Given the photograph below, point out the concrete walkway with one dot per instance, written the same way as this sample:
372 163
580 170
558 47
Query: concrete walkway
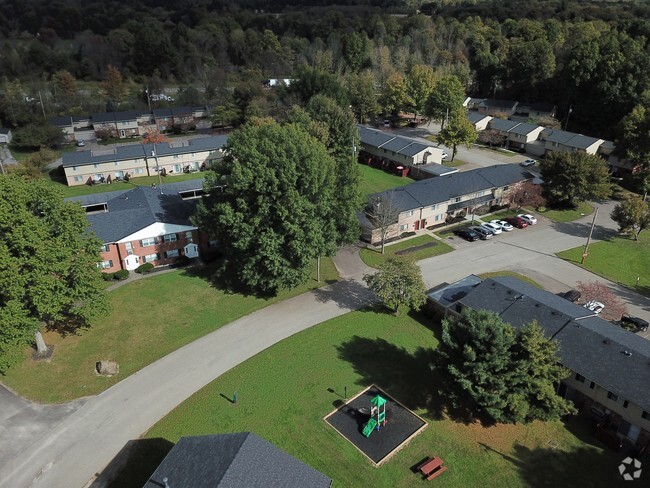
78 448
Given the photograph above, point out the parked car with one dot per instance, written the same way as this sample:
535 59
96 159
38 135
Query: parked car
505 226
467 234
635 324
386 123
494 228
594 306
81 143
445 155
571 295
528 218
483 233
517 222
528 162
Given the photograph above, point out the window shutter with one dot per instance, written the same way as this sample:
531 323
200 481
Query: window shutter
625 404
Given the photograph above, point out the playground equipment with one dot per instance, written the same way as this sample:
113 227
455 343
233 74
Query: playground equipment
377 415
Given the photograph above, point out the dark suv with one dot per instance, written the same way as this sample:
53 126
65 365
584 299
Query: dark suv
484 234
635 324
467 234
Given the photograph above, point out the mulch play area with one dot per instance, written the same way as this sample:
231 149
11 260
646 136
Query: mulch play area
399 427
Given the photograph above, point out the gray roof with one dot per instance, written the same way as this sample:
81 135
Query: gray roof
233 461
437 169
475 117
502 125
4 130
443 188
135 151
132 210
582 142
162 112
103 117
559 136
397 144
491 103
589 345
524 129
60 121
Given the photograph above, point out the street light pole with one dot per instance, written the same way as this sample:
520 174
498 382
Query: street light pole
153 153
566 122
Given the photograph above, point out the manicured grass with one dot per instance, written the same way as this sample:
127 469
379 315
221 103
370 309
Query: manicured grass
74 191
513 274
498 150
620 259
432 138
149 319
568 215
375 258
284 392
456 163
374 180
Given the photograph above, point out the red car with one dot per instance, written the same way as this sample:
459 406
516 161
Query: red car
517 222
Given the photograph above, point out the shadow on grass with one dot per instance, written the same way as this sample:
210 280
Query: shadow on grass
134 464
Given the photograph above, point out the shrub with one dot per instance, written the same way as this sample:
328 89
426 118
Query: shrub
122 274
144 268
108 276
181 261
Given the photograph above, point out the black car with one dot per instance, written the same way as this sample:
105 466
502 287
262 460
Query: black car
635 324
571 295
467 234
483 234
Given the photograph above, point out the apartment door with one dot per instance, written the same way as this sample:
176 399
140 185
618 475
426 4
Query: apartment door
191 250
131 262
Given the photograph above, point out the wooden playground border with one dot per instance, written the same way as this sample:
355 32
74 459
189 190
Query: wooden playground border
403 444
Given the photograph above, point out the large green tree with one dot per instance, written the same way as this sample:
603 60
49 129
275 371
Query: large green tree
632 216
362 96
570 178
420 82
48 265
34 136
489 366
460 131
633 143
398 283
271 206
394 96
446 99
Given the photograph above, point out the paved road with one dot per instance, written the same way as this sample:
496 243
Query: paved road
73 451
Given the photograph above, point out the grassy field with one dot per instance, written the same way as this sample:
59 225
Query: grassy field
485 276
375 258
456 163
149 319
620 259
284 392
566 215
374 180
20 155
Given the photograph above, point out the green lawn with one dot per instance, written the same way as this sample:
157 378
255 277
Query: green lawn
21 155
620 259
565 215
375 258
485 276
456 163
374 180
55 179
149 319
284 392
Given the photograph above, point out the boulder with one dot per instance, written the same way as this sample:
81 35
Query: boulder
107 368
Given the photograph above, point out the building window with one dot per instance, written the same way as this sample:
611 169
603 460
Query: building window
213 243
188 236
149 258
129 248
438 218
105 248
96 165
612 396
434 207
404 227
645 415
149 241
505 188
117 163
457 199
106 264
409 213
175 156
177 168
172 253
580 378
75 168
592 385
78 178
170 238
138 171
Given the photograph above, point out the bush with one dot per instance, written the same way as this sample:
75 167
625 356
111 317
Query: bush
122 274
108 276
144 268
181 261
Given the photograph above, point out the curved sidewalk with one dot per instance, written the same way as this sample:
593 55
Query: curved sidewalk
79 448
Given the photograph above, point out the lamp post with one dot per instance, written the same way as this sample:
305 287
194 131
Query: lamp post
566 122
153 153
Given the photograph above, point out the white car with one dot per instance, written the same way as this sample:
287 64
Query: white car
528 218
444 155
496 229
528 162
505 226
594 306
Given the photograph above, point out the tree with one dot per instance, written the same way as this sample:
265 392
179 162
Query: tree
37 135
546 121
14 109
492 137
395 97
153 136
599 292
310 82
632 216
525 194
48 265
114 86
398 283
570 178
459 131
270 204
510 374
634 143
33 165
383 211
447 98
65 83
420 83
362 96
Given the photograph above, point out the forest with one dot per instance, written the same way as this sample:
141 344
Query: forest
589 58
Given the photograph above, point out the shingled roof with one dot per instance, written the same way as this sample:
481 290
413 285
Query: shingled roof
233 461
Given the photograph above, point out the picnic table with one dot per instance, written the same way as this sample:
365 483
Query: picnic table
432 467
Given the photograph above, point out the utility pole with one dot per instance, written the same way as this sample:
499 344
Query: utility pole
42 106
153 153
591 231
566 121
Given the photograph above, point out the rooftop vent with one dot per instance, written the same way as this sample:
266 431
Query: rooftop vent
627 353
